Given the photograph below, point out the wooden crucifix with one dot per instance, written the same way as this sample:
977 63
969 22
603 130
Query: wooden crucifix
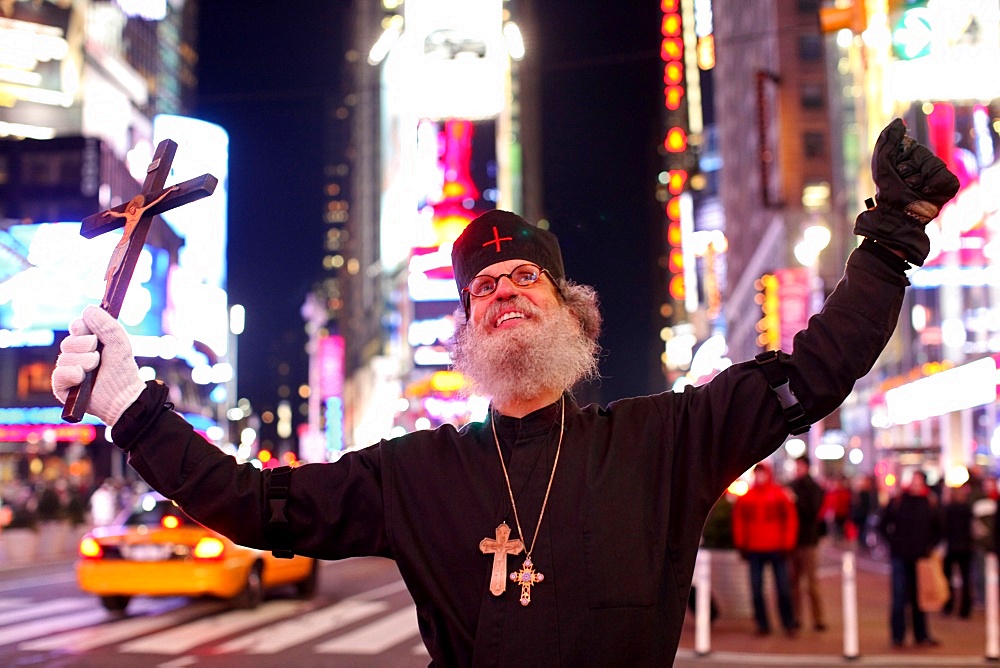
500 547
135 216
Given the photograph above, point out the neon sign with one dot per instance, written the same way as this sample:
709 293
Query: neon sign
31 433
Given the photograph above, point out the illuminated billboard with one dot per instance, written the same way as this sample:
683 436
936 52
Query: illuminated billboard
198 304
453 58
49 273
37 62
946 50
457 162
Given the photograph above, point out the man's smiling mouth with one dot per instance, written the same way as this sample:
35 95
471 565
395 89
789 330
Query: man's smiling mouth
509 315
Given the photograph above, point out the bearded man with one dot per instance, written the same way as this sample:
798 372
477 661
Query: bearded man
550 533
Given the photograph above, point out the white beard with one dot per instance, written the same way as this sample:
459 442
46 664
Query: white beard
541 354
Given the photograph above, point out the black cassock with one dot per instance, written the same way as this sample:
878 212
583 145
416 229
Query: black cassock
617 545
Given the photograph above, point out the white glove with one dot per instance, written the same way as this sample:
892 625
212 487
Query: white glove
117 385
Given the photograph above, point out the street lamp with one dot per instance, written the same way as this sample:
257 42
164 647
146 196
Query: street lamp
814 239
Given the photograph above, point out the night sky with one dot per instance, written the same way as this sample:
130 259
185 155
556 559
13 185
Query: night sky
266 77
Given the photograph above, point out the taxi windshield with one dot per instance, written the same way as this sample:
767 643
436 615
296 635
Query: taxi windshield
151 510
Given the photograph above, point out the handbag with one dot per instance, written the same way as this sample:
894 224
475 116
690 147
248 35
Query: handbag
933 590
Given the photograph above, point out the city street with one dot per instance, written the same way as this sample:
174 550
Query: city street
733 643
362 616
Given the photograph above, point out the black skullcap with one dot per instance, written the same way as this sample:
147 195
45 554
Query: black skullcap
499 235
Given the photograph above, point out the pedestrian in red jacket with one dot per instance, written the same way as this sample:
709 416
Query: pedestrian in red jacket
765 529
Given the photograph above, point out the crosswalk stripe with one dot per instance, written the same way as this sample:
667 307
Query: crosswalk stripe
82 640
43 627
304 628
14 602
38 580
44 608
183 638
383 591
376 637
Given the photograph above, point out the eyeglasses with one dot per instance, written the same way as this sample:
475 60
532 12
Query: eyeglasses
522 276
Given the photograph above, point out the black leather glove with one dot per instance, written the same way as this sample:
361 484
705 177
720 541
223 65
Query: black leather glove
911 186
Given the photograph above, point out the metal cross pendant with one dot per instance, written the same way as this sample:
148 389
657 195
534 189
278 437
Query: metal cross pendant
500 548
526 577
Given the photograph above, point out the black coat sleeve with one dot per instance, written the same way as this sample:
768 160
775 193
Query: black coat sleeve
736 420
334 510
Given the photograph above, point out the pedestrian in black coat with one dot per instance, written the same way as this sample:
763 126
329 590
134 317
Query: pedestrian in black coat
911 524
958 539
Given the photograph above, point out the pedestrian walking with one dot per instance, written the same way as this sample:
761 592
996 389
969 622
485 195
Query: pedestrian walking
765 528
804 561
911 524
864 508
958 551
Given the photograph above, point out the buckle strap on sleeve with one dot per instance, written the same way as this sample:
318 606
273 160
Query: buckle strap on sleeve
277 528
795 414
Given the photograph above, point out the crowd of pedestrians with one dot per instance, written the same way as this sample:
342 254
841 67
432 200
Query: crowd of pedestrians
781 522
43 518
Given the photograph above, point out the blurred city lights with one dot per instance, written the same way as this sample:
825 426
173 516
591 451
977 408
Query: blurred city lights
814 239
795 448
390 35
956 476
738 487
515 42
237 319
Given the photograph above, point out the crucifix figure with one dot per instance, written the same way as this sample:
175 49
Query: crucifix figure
500 547
132 215
135 216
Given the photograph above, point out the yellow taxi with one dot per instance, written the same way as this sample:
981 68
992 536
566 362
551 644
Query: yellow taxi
157 550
